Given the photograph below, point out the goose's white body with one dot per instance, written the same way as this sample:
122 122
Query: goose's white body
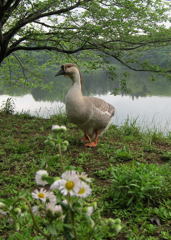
91 114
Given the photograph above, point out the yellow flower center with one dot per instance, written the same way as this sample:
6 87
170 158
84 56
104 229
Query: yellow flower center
81 191
41 195
69 185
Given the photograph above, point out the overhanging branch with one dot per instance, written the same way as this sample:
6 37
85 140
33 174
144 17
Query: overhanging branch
50 48
134 68
9 8
55 27
37 15
17 42
21 65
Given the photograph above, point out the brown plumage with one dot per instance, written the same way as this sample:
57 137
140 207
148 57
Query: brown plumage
91 114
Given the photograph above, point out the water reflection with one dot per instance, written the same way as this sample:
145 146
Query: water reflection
149 112
98 83
27 104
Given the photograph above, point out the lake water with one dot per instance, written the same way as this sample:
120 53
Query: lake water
149 103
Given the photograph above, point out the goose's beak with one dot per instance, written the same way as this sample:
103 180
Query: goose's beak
60 72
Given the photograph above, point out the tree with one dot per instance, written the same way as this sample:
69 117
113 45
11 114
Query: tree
112 27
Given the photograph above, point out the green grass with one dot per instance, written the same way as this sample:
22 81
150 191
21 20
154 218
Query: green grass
131 171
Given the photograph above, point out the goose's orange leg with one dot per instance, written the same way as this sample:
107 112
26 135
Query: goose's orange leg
94 143
86 138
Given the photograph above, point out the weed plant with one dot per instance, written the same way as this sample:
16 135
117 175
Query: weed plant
8 106
129 128
123 154
139 184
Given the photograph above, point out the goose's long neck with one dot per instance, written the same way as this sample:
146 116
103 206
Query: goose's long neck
76 78
74 97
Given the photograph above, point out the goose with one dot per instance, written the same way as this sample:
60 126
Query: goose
91 114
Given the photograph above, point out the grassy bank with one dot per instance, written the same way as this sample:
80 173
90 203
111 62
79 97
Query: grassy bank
130 171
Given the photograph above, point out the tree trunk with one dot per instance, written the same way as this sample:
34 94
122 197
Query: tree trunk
3 47
2 51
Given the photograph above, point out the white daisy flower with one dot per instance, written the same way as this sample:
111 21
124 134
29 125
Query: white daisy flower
70 174
70 183
84 190
41 194
58 128
55 209
89 211
35 210
65 202
55 127
63 128
83 176
70 186
3 212
51 197
57 184
2 205
39 175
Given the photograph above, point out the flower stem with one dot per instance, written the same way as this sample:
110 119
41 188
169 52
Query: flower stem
73 224
72 217
48 237
61 157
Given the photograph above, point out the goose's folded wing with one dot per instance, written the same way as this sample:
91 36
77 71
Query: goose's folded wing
103 106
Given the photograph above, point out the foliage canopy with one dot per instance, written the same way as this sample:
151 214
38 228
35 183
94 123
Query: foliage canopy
117 28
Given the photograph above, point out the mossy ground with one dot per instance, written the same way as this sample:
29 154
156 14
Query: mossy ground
23 151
